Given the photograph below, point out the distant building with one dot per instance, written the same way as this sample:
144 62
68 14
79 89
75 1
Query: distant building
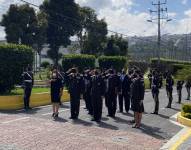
71 49
2 41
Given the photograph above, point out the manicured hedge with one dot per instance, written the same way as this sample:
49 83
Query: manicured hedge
79 61
143 66
186 111
45 64
169 65
116 62
13 59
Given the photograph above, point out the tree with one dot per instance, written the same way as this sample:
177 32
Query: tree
63 22
20 24
40 35
92 35
96 38
87 16
116 46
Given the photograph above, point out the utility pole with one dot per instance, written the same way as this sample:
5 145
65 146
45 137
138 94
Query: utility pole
159 15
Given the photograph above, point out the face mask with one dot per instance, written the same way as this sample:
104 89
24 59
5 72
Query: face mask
54 75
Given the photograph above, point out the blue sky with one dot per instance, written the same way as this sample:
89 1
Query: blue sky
129 16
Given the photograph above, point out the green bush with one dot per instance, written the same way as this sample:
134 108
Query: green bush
169 65
186 111
116 62
13 59
143 66
187 115
79 61
186 108
184 74
45 64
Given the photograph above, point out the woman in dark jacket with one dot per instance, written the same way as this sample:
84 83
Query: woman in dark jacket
137 95
56 91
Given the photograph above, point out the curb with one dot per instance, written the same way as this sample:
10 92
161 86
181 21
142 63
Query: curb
183 120
183 135
181 139
39 99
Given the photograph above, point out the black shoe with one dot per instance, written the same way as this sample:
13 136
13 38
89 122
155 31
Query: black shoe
98 121
93 119
132 121
113 116
56 115
168 106
120 111
155 113
71 118
53 114
29 108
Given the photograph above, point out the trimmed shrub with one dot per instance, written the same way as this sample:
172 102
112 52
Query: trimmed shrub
116 62
45 64
79 61
169 65
186 111
13 59
143 66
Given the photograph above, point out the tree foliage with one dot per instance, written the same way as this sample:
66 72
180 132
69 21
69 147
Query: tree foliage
116 46
63 22
20 24
92 35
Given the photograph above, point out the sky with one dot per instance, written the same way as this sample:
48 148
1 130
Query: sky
130 16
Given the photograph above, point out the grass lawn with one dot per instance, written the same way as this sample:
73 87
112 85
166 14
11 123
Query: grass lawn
19 91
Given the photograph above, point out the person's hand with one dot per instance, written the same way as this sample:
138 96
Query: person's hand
141 102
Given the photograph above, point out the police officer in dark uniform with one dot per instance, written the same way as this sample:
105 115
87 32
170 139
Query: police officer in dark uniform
169 89
28 82
155 91
87 91
105 77
124 94
150 78
188 85
97 93
112 93
179 90
137 95
76 88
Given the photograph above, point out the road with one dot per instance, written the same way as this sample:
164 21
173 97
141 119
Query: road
117 133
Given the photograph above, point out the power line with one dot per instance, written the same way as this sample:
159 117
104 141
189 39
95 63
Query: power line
75 20
159 15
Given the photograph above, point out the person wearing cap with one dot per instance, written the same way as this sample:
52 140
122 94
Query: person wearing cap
169 89
124 94
179 86
112 91
76 89
28 81
137 95
155 91
87 91
97 93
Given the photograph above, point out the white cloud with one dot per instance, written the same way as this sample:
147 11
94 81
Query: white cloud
119 17
184 2
188 13
172 14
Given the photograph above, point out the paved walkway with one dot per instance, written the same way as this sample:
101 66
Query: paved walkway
40 134
36 130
